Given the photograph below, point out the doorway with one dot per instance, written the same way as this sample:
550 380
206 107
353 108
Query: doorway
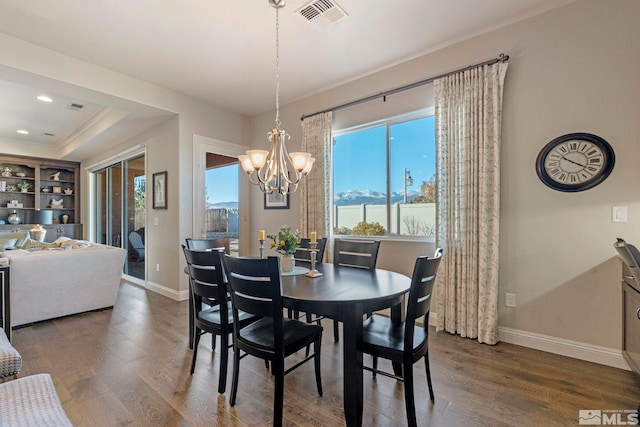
120 210
220 193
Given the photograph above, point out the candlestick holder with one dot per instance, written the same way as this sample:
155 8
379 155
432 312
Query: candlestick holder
313 248
262 248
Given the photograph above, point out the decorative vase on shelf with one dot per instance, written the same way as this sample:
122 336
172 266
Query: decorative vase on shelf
287 262
38 233
14 218
65 218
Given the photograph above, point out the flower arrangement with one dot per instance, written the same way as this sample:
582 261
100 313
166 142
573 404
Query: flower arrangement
286 241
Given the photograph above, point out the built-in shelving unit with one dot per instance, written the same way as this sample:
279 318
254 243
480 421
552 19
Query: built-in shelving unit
51 197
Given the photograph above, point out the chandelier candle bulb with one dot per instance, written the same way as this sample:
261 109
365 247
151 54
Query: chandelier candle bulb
314 237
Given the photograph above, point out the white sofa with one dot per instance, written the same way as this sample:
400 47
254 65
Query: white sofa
54 283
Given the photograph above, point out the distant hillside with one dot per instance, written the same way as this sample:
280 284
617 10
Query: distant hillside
222 205
370 197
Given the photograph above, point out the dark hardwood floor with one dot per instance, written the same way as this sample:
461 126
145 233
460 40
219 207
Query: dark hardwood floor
130 367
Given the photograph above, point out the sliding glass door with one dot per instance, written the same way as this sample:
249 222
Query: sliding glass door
120 211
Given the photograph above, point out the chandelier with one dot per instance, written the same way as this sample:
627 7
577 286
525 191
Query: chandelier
276 170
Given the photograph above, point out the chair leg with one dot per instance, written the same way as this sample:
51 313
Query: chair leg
316 362
236 374
409 399
375 365
196 341
224 360
278 395
336 332
213 342
426 364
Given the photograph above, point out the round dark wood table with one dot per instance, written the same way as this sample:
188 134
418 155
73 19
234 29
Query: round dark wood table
345 294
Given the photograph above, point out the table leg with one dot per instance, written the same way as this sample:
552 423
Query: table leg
352 365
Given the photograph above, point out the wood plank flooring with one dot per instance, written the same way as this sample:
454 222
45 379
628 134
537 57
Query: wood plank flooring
130 367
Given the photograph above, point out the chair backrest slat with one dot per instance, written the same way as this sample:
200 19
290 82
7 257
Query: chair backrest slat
356 253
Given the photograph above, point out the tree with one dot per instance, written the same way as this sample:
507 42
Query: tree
429 190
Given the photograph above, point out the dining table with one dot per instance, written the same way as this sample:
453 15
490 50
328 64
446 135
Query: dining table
346 294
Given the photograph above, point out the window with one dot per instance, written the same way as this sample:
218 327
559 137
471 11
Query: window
384 178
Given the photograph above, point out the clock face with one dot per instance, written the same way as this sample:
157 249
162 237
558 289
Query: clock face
575 162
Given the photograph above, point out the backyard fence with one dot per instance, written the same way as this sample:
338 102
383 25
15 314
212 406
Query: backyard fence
417 219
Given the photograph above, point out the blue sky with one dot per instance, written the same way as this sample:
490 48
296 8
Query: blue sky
360 162
360 157
222 184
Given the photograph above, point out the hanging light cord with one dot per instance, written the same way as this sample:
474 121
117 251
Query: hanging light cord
277 68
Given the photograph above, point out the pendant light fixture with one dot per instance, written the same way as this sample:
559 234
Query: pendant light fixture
276 170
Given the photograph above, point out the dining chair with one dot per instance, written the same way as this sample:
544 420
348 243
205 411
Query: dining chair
354 254
255 288
303 255
405 343
208 244
207 282
213 243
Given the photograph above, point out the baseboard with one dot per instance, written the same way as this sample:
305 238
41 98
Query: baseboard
167 292
578 350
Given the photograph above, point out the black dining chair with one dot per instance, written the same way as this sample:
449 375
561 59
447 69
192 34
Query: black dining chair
405 343
303 253
255 288
207 244
303 256
208 283
213 243
354 254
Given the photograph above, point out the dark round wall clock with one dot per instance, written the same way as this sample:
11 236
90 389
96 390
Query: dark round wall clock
575 162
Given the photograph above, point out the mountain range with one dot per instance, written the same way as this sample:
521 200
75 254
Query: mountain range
346 198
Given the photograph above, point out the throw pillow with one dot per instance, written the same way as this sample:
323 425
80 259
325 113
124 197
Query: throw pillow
20 236
7 243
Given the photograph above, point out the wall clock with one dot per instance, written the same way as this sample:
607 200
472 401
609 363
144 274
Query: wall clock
575 162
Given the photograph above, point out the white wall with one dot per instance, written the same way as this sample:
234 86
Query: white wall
574 69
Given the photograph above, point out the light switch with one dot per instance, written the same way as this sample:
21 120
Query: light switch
619 214
156 221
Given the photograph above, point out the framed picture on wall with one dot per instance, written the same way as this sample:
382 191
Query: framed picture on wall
160 190
276 201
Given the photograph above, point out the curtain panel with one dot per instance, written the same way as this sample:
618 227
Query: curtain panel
468 135
315 189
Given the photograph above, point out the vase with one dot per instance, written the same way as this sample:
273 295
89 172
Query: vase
38 233
14 218
287 262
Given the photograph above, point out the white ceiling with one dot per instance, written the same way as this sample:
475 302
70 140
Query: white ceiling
223 52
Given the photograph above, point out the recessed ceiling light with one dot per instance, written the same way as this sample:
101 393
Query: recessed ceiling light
45 98
23 132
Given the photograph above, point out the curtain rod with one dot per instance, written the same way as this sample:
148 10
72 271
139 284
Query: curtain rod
501 58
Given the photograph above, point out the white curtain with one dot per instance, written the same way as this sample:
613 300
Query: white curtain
468 123
315 189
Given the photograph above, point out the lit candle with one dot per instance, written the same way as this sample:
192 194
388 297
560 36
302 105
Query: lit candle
261 234
313 237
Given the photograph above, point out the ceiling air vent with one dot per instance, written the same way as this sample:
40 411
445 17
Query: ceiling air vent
322 13
74 106
47 134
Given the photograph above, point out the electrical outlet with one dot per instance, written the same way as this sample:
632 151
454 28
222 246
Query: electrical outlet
509 299
157 267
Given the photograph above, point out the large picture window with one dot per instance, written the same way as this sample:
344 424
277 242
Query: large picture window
384 178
